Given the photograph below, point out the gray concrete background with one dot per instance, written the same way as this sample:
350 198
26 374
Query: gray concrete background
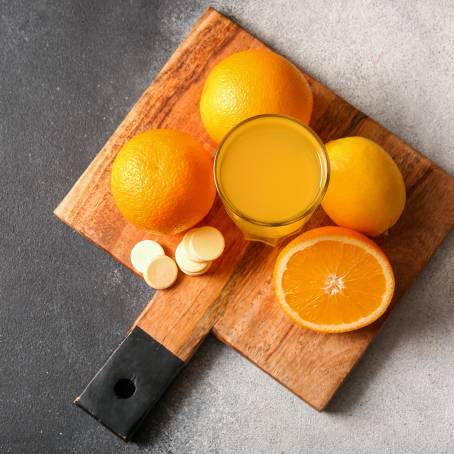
69 72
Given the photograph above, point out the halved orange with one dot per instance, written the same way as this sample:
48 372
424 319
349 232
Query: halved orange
333 280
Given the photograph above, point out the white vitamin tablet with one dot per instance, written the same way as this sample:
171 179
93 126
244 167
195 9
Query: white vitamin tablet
185 243
161 272
206 243
143 252
186 264
199 273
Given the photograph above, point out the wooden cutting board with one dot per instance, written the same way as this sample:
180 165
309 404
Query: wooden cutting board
235 299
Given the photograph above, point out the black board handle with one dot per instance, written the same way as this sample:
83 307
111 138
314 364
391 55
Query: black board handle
130 383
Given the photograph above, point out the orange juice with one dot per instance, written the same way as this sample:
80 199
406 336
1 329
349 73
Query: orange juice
271 173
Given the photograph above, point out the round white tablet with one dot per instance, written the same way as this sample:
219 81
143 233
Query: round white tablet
161 272
199 273
206 243
143 252
185 243
186 264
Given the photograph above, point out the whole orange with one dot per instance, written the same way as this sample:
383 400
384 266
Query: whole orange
366 190
162 181
249 83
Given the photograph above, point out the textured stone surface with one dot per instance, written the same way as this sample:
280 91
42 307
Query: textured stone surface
69 72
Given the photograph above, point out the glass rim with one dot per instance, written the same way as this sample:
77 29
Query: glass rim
324 180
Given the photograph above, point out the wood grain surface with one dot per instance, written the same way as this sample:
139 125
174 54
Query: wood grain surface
235 299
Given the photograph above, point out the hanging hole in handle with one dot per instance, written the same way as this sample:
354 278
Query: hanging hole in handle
124 388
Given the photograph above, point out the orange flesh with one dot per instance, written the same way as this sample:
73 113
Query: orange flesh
331 283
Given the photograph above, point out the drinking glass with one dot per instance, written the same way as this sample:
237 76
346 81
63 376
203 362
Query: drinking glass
274 231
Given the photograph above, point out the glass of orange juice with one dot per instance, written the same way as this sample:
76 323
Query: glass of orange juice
271 173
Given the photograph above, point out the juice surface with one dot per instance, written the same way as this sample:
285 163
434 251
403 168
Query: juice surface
270 169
